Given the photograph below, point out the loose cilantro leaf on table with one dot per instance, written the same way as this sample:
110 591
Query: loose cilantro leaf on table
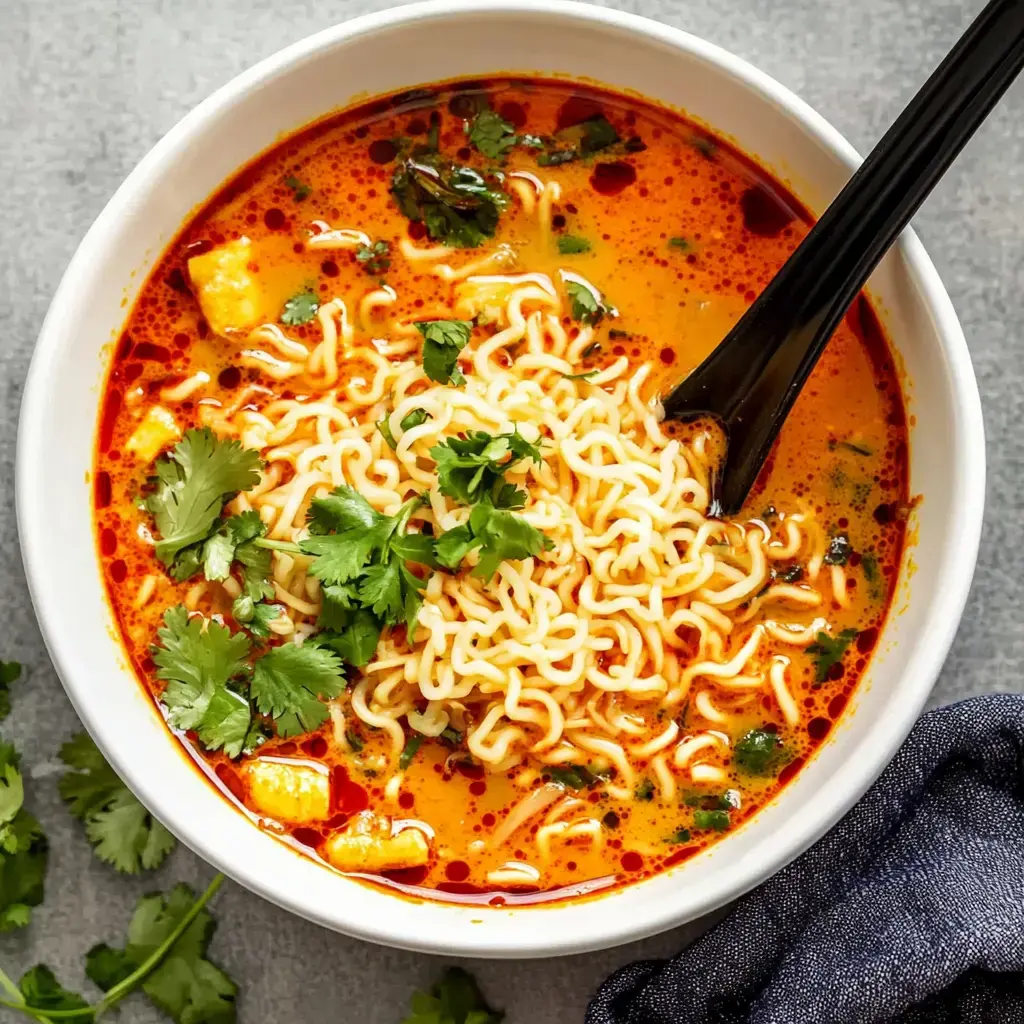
828 651
291 682
572 245
23 848
454 999
10 672
191 485
458 205
198 664
122 832
43 991
300 309
760 752
443 340
376 258
585 306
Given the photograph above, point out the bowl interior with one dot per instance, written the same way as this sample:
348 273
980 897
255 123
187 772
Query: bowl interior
384 53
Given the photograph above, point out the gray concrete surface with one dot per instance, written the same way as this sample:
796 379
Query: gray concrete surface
87 86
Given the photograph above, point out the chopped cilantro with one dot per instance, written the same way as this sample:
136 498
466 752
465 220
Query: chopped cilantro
645 790
376 258
192 483
10 672
451 736
857 447
717 821
198 664
122 832
383 426
491 134
571 245
595 346
454 999
412 745
572 776
586 307
839 550
681 835
828 651
458 205
578 141
415 419
585 375
355 741
760 752
704 146
23 848
682 244
300 190
443 340
300 309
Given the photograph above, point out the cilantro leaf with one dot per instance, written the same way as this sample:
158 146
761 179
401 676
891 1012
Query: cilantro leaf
300 309
42 991
376 258
760 752
290 683
503 536
185 985
682 244
409 751
469 468
122 832
192 483
197 665
578 141
458 205
443 340
587 308
839 550
454 999
256 617
717 821
106 967
585 375
491 134
415 418
572 776
571 245
828 652
644 790
23 848
10 671
355 636
681 835
383 425
300 190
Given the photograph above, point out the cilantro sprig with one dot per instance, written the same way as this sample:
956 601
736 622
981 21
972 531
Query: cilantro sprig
454 999
122 832
23 847
165 956
191 485
443 340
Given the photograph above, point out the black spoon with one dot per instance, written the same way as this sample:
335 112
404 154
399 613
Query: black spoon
749 383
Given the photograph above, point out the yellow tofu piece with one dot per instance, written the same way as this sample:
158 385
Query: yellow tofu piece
353 851
227 291
157 430
288 792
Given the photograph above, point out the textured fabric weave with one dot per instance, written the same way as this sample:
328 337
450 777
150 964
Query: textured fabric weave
910 910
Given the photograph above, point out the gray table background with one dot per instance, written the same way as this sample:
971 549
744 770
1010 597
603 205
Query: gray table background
87 86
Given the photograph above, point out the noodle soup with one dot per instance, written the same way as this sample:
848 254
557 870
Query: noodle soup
394 532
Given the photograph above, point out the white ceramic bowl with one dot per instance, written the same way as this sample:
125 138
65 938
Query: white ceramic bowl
379 54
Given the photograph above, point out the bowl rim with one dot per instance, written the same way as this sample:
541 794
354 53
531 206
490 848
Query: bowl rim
614 928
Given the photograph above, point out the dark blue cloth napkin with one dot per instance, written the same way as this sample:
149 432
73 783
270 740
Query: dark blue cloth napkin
910 910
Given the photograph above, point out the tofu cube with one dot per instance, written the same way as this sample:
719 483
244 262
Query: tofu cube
226 289
288 792
355 851
156 431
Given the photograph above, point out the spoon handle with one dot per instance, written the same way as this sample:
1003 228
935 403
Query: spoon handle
752 379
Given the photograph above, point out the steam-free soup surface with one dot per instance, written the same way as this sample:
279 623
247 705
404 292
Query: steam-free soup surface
554 672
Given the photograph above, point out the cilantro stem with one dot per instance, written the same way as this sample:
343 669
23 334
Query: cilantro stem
123 988
278 545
